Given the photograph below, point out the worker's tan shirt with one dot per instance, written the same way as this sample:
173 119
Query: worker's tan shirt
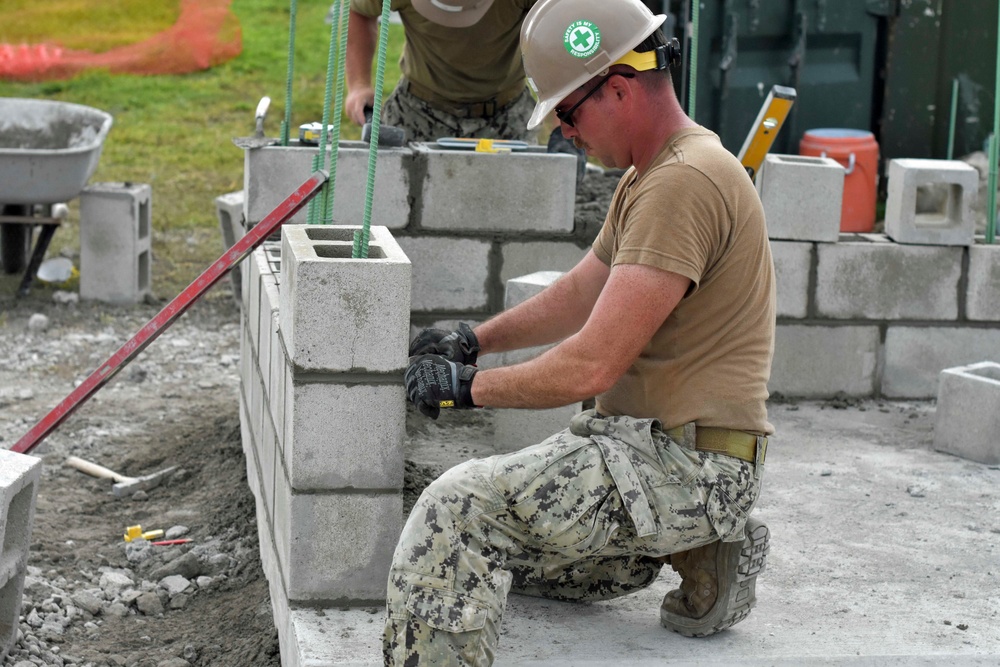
696 213
460 65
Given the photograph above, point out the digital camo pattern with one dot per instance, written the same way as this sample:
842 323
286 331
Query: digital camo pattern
423 122
587 514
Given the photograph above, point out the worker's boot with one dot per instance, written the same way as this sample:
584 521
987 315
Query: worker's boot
717 583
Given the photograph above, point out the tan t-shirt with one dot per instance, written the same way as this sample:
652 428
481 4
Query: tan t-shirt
696 213
461 65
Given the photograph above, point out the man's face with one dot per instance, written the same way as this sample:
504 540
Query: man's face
585 117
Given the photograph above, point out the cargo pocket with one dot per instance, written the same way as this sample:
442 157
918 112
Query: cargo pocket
444 610
575 530
725 515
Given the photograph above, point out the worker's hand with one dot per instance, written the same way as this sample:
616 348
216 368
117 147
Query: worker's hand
357 100
433 382
460 345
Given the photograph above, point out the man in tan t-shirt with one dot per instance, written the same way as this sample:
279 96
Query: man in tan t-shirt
461 68
668 321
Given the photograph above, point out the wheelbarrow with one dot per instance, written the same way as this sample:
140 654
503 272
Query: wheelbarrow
48 152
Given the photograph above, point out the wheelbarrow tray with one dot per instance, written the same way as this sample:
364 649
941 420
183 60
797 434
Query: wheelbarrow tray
48 150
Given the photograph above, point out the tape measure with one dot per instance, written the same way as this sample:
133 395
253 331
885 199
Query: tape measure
311 133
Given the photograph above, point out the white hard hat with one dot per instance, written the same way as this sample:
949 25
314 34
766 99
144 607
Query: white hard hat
565 43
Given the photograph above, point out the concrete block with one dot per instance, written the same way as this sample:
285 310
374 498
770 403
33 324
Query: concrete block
276 380
448 273
341 546
257 266
229 211
333 308
268 461
520 191
792 265
915 356
886 281
967 419
802 197
523 258
268 291
115 250
931 202
983 285
820 361
19 478
517 429
345 436
272 173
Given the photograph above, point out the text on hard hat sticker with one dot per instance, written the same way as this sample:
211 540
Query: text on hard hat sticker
582 38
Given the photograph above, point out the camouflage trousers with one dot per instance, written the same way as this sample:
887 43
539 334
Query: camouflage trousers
587 514
424 122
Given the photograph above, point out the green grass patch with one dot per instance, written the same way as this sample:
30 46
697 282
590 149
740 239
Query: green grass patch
175 132
85 24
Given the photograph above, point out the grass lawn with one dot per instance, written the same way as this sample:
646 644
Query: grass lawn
175 132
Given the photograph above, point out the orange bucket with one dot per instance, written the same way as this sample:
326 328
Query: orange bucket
857 152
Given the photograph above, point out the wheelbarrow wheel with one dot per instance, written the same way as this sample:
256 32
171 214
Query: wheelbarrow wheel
15 241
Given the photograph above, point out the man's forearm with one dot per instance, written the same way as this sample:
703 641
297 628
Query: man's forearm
360 50
556 313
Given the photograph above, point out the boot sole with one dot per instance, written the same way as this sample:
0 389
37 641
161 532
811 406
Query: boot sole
736 597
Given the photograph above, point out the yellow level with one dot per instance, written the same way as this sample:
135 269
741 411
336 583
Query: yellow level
765 129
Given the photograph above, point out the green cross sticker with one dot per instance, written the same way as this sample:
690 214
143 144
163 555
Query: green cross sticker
582 38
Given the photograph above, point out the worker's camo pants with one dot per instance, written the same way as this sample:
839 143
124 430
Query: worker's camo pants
582 516
423 122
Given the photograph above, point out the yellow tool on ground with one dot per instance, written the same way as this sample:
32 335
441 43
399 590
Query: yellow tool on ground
135 532
765 129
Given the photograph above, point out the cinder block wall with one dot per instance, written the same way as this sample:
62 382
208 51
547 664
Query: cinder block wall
867 316
468 221
323 409
19 477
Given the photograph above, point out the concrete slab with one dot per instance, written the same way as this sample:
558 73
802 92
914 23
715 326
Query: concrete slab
884 552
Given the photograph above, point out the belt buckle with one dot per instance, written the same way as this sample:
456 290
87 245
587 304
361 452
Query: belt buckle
760 454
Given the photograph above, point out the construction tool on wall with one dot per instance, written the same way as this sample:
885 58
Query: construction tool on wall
123 484
389 135
765 128
258 140
149 332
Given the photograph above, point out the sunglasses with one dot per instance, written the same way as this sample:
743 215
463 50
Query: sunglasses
566 117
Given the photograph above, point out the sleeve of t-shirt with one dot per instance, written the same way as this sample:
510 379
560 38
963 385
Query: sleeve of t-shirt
373 8
674 221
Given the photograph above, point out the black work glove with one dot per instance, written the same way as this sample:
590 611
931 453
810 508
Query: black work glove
459 345
433 382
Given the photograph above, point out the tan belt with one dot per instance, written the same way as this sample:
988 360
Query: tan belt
485 109
740 444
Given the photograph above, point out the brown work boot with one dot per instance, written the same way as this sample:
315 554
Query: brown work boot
718 583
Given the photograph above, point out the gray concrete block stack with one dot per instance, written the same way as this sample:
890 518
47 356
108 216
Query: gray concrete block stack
115 242
322 416
19 478
880 314
967 420
515 429
468 221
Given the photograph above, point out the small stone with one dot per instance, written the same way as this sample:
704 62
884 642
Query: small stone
916 490
87 601
38 322
116 609
140 496
175 584
62 296
825 473
149 604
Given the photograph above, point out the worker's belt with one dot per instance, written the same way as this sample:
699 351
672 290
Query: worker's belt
485 109
740 444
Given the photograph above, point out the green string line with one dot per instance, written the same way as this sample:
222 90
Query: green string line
360 250
693 68
288 78
338 105
316 212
